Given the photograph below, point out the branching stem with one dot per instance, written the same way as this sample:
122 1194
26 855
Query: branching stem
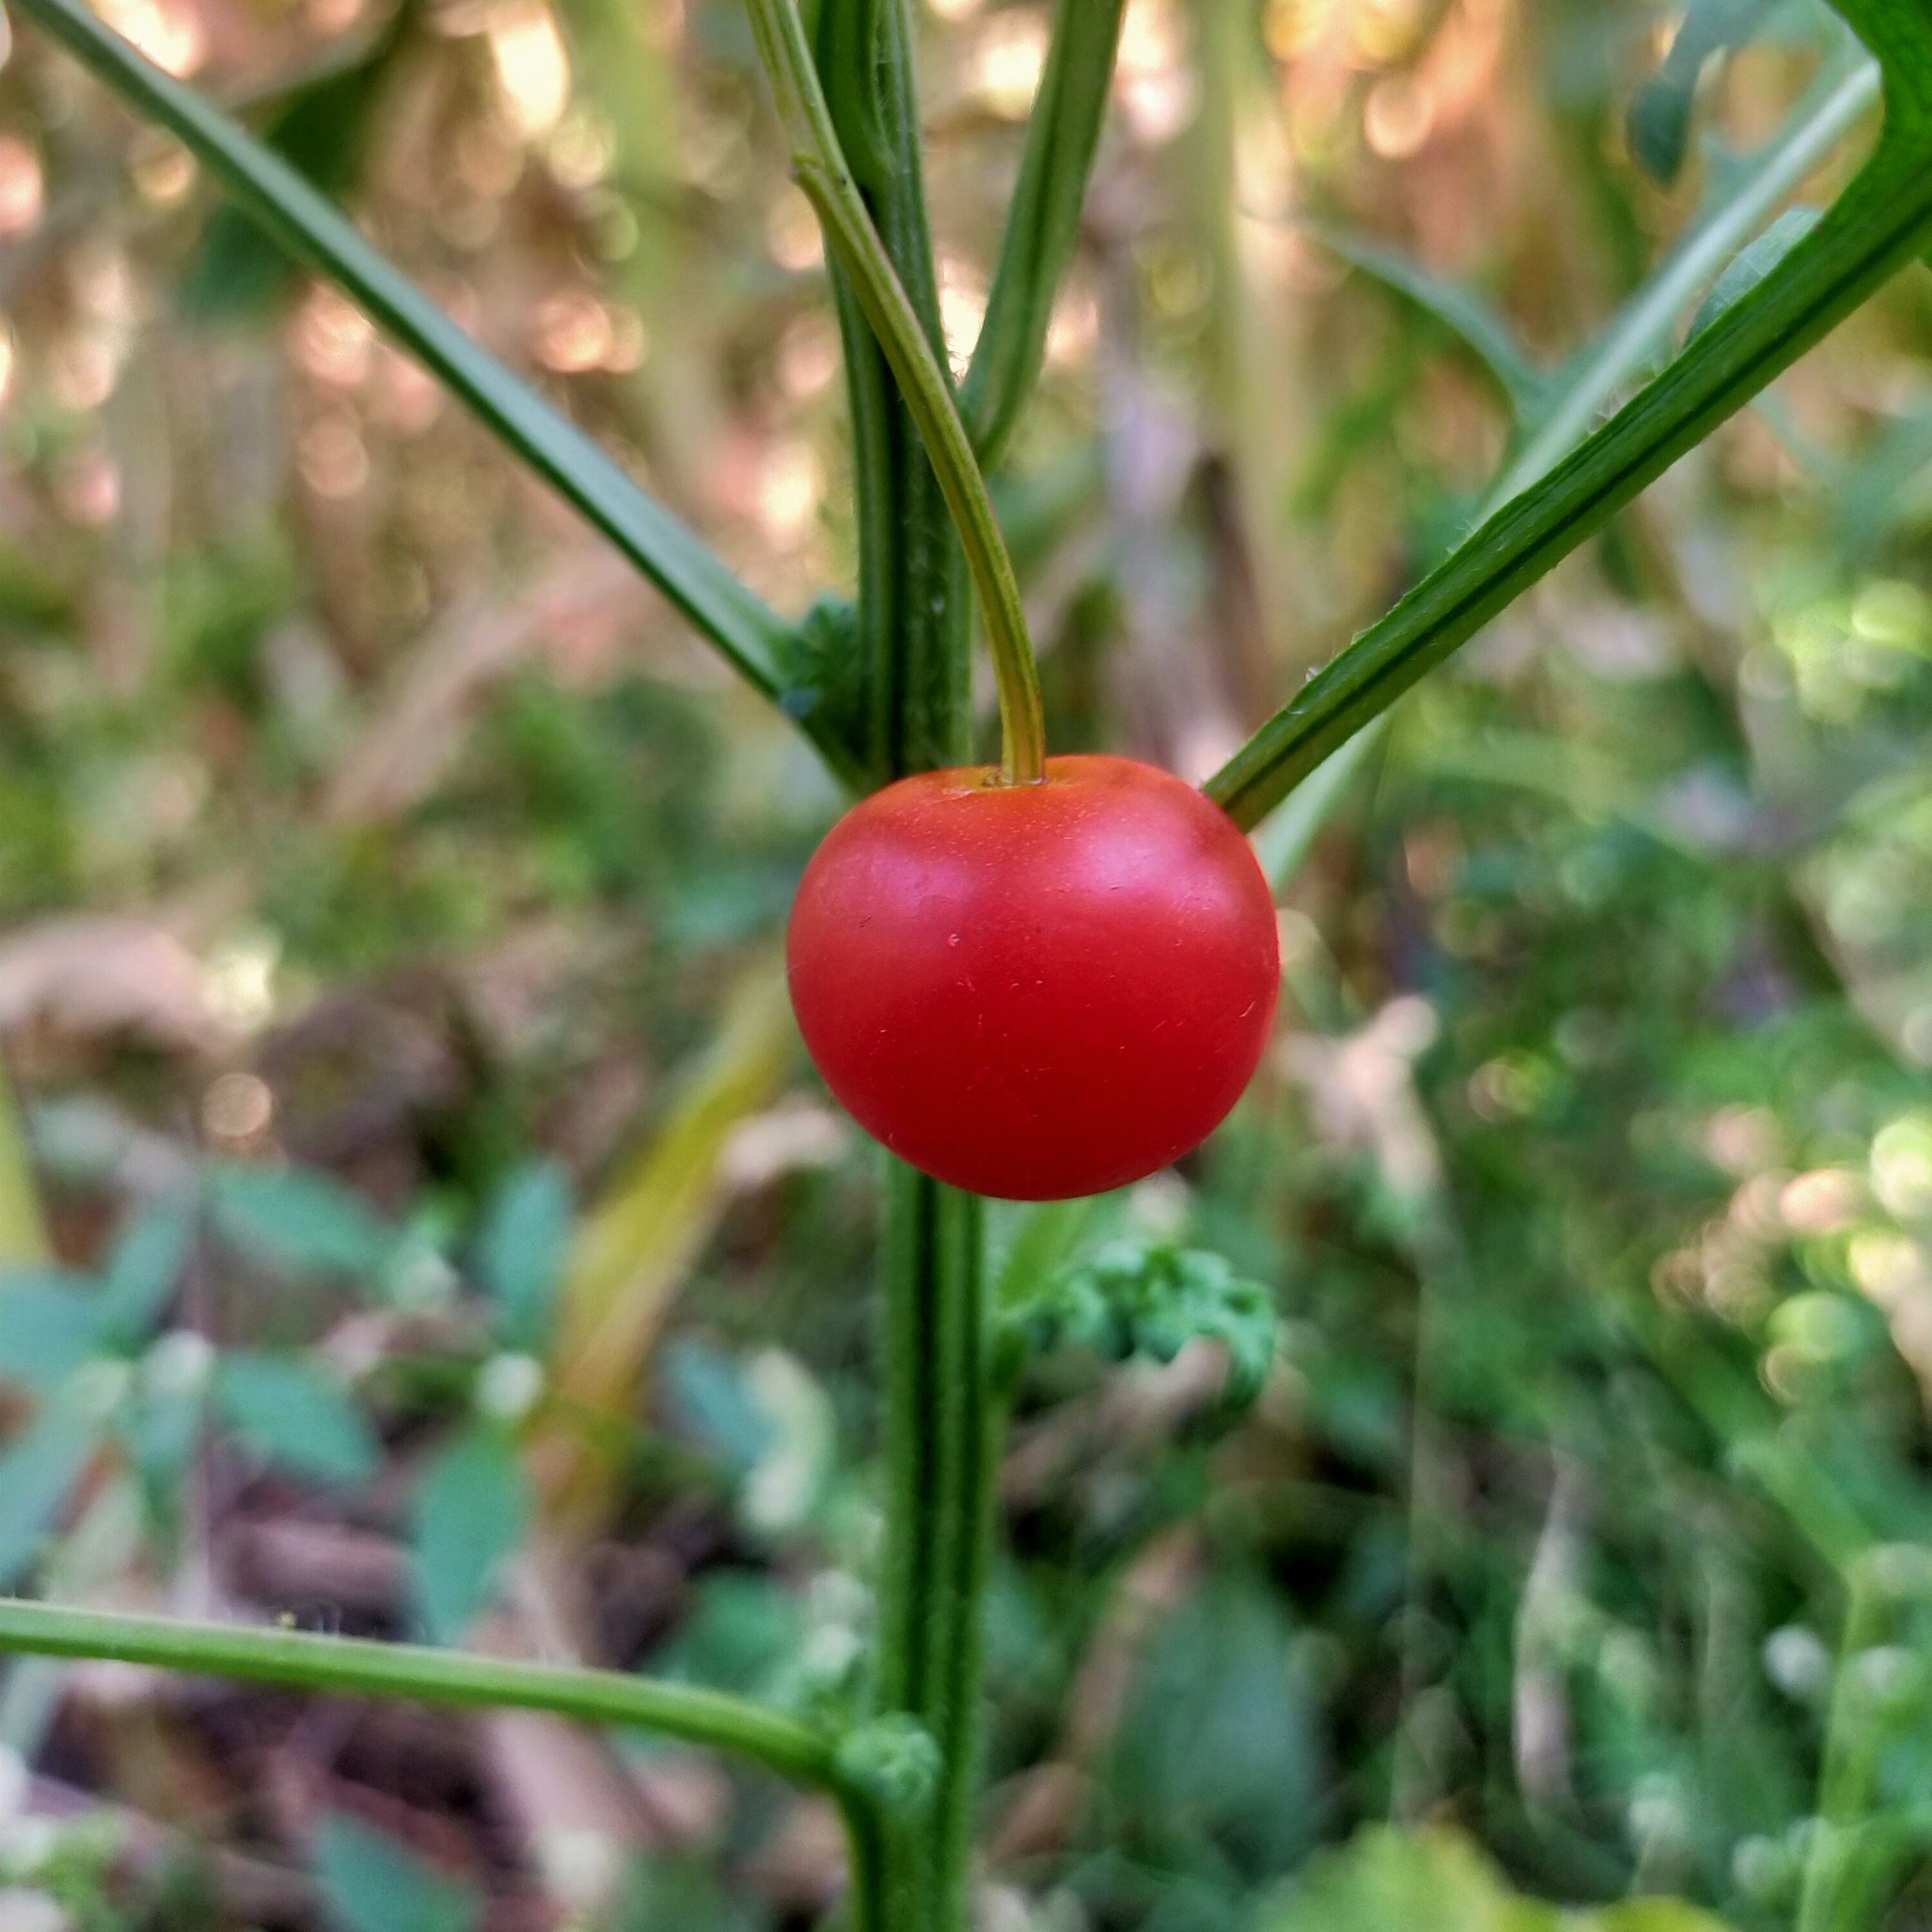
351 1667
818 163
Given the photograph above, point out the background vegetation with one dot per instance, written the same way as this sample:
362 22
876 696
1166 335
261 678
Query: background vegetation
452 1243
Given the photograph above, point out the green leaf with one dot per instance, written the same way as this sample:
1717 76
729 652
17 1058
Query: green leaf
372 1883
1220 1745
742 1633
1043 225
162 1429
1150 1298
38 1470
295 1417
709 1394
471 1511
1435 1876
1660 117
749 632
1465 315
1751 267
51 1322
522 1248
144 1269
1029 1244
297 1219
1880 223
825 686
1640 339
318 128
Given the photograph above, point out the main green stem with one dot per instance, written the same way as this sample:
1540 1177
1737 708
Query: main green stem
940 1450
941 1458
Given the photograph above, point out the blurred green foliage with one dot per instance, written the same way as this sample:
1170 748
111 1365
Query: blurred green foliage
357 837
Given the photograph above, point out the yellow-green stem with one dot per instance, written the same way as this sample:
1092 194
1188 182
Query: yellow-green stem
818 163
22 1228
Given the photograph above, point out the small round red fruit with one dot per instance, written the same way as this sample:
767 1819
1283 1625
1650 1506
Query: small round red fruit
1036 991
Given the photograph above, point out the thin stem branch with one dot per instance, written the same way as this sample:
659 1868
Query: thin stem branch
912 672
818 163
1841 1795
351 1667
1043 225
355 1667
749 633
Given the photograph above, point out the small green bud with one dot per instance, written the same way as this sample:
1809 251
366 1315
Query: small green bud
894 1761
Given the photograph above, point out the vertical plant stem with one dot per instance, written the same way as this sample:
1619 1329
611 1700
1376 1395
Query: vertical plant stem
1844 1778
22 1229
914 615
941 1454
1043 227
866 1906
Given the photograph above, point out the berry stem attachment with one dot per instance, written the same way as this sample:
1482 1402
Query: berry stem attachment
818 164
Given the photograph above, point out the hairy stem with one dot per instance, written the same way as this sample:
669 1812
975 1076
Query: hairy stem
941 1456
354 1667
350 1667
873 281
940 1453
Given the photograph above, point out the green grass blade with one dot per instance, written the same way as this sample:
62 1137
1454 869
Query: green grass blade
1882 222
1465 315
750 634
1640 334
1043 226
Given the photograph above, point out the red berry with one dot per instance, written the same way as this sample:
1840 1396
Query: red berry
1037 991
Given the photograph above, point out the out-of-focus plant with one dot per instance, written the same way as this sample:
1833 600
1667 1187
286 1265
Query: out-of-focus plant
880 689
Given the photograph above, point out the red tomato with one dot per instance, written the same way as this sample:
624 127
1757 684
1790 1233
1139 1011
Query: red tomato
1040 991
